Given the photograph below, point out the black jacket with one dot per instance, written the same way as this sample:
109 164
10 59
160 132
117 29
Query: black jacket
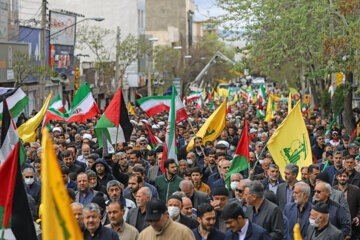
189 222
102 233
214 234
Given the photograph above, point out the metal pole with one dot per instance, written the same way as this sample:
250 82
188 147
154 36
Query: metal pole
149 71
118 82
43 52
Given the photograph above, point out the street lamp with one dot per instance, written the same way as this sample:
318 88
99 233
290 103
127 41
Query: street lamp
151 65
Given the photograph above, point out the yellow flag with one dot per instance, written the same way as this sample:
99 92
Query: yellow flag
297 233
215 95
289 103
213 127
58 221
28 130
130 109
223 92
290 142
269 111
236 99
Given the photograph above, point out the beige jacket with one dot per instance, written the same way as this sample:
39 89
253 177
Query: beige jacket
171 231
126 231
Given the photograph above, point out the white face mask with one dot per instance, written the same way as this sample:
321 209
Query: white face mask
189 161
233 185
29 181
313 222
173 211
261 161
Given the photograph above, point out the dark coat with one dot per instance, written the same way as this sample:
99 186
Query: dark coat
102 233
214 234
266 182
35 191
353 199
258 170
132 216
273 223
339 217
108 176
199 197
330 233
281 195
74 169
317 152
254 232
354 179
153 172
72 185
291 212
212 178
189 222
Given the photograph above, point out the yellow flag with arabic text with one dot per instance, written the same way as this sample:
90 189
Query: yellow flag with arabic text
27 131
213 126
58 221
290 142
130 109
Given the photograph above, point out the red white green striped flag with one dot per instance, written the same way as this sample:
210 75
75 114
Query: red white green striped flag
240 161
83 107
200 103
194 96
57 104
243 93
261 95
155 104
114 124
170 138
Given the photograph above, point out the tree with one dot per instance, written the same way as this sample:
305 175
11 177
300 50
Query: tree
22 67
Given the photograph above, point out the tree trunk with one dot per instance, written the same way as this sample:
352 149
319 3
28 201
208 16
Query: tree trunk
347 113
314 93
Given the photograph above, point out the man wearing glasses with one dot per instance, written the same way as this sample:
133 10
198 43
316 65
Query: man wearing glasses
318 148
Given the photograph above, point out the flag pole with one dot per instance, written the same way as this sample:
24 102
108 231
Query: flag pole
202 150
257 159
115 147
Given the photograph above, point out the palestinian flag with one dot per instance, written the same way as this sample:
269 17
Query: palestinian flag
16 100
83 107
260 113
241 159
9 135
115 123
154 142
194 96
155 104
170 150
200 104
14 209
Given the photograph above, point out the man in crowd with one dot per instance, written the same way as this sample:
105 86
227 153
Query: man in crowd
259 208
162 227
206 218
116 213
199 185
273 180
284 193
136 216
196 197
68 182
85 194
77 209
93 227
32 187
220 199
299 210
174 205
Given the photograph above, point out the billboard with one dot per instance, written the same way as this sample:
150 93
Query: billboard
33 37
62 59
62 29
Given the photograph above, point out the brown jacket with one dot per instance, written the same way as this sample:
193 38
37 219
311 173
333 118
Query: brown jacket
353 199
171 231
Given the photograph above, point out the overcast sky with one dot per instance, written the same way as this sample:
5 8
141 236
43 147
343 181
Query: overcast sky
206 9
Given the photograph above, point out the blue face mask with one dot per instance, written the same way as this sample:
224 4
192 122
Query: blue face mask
327 141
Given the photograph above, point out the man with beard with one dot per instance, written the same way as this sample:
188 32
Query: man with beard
143 143
285 190
196 197
239 193
220 199
85 152
93 227
133 185
94 183
224 168
174 205
68 160
85 194
209 164
240 227
333 169
168 183
206 218
198 151
116 213
352 194
299 210
103 171
272 182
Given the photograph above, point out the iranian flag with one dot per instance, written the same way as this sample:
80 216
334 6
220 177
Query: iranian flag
16 100
155 104
57 104
170 138
83 107
114 124
243 93
261 96
241 159
194 96
251 96
200 103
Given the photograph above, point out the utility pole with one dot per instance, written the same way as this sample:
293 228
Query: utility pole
43 51
118 81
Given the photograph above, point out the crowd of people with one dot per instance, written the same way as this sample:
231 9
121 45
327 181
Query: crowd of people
125 195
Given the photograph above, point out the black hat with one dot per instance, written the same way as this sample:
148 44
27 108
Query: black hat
154 209
324 177
99 200
220 146
321 207
220 190
175 197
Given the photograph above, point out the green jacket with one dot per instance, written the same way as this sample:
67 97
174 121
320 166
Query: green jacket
167 187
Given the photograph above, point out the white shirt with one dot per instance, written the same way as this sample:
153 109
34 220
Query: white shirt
244 229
